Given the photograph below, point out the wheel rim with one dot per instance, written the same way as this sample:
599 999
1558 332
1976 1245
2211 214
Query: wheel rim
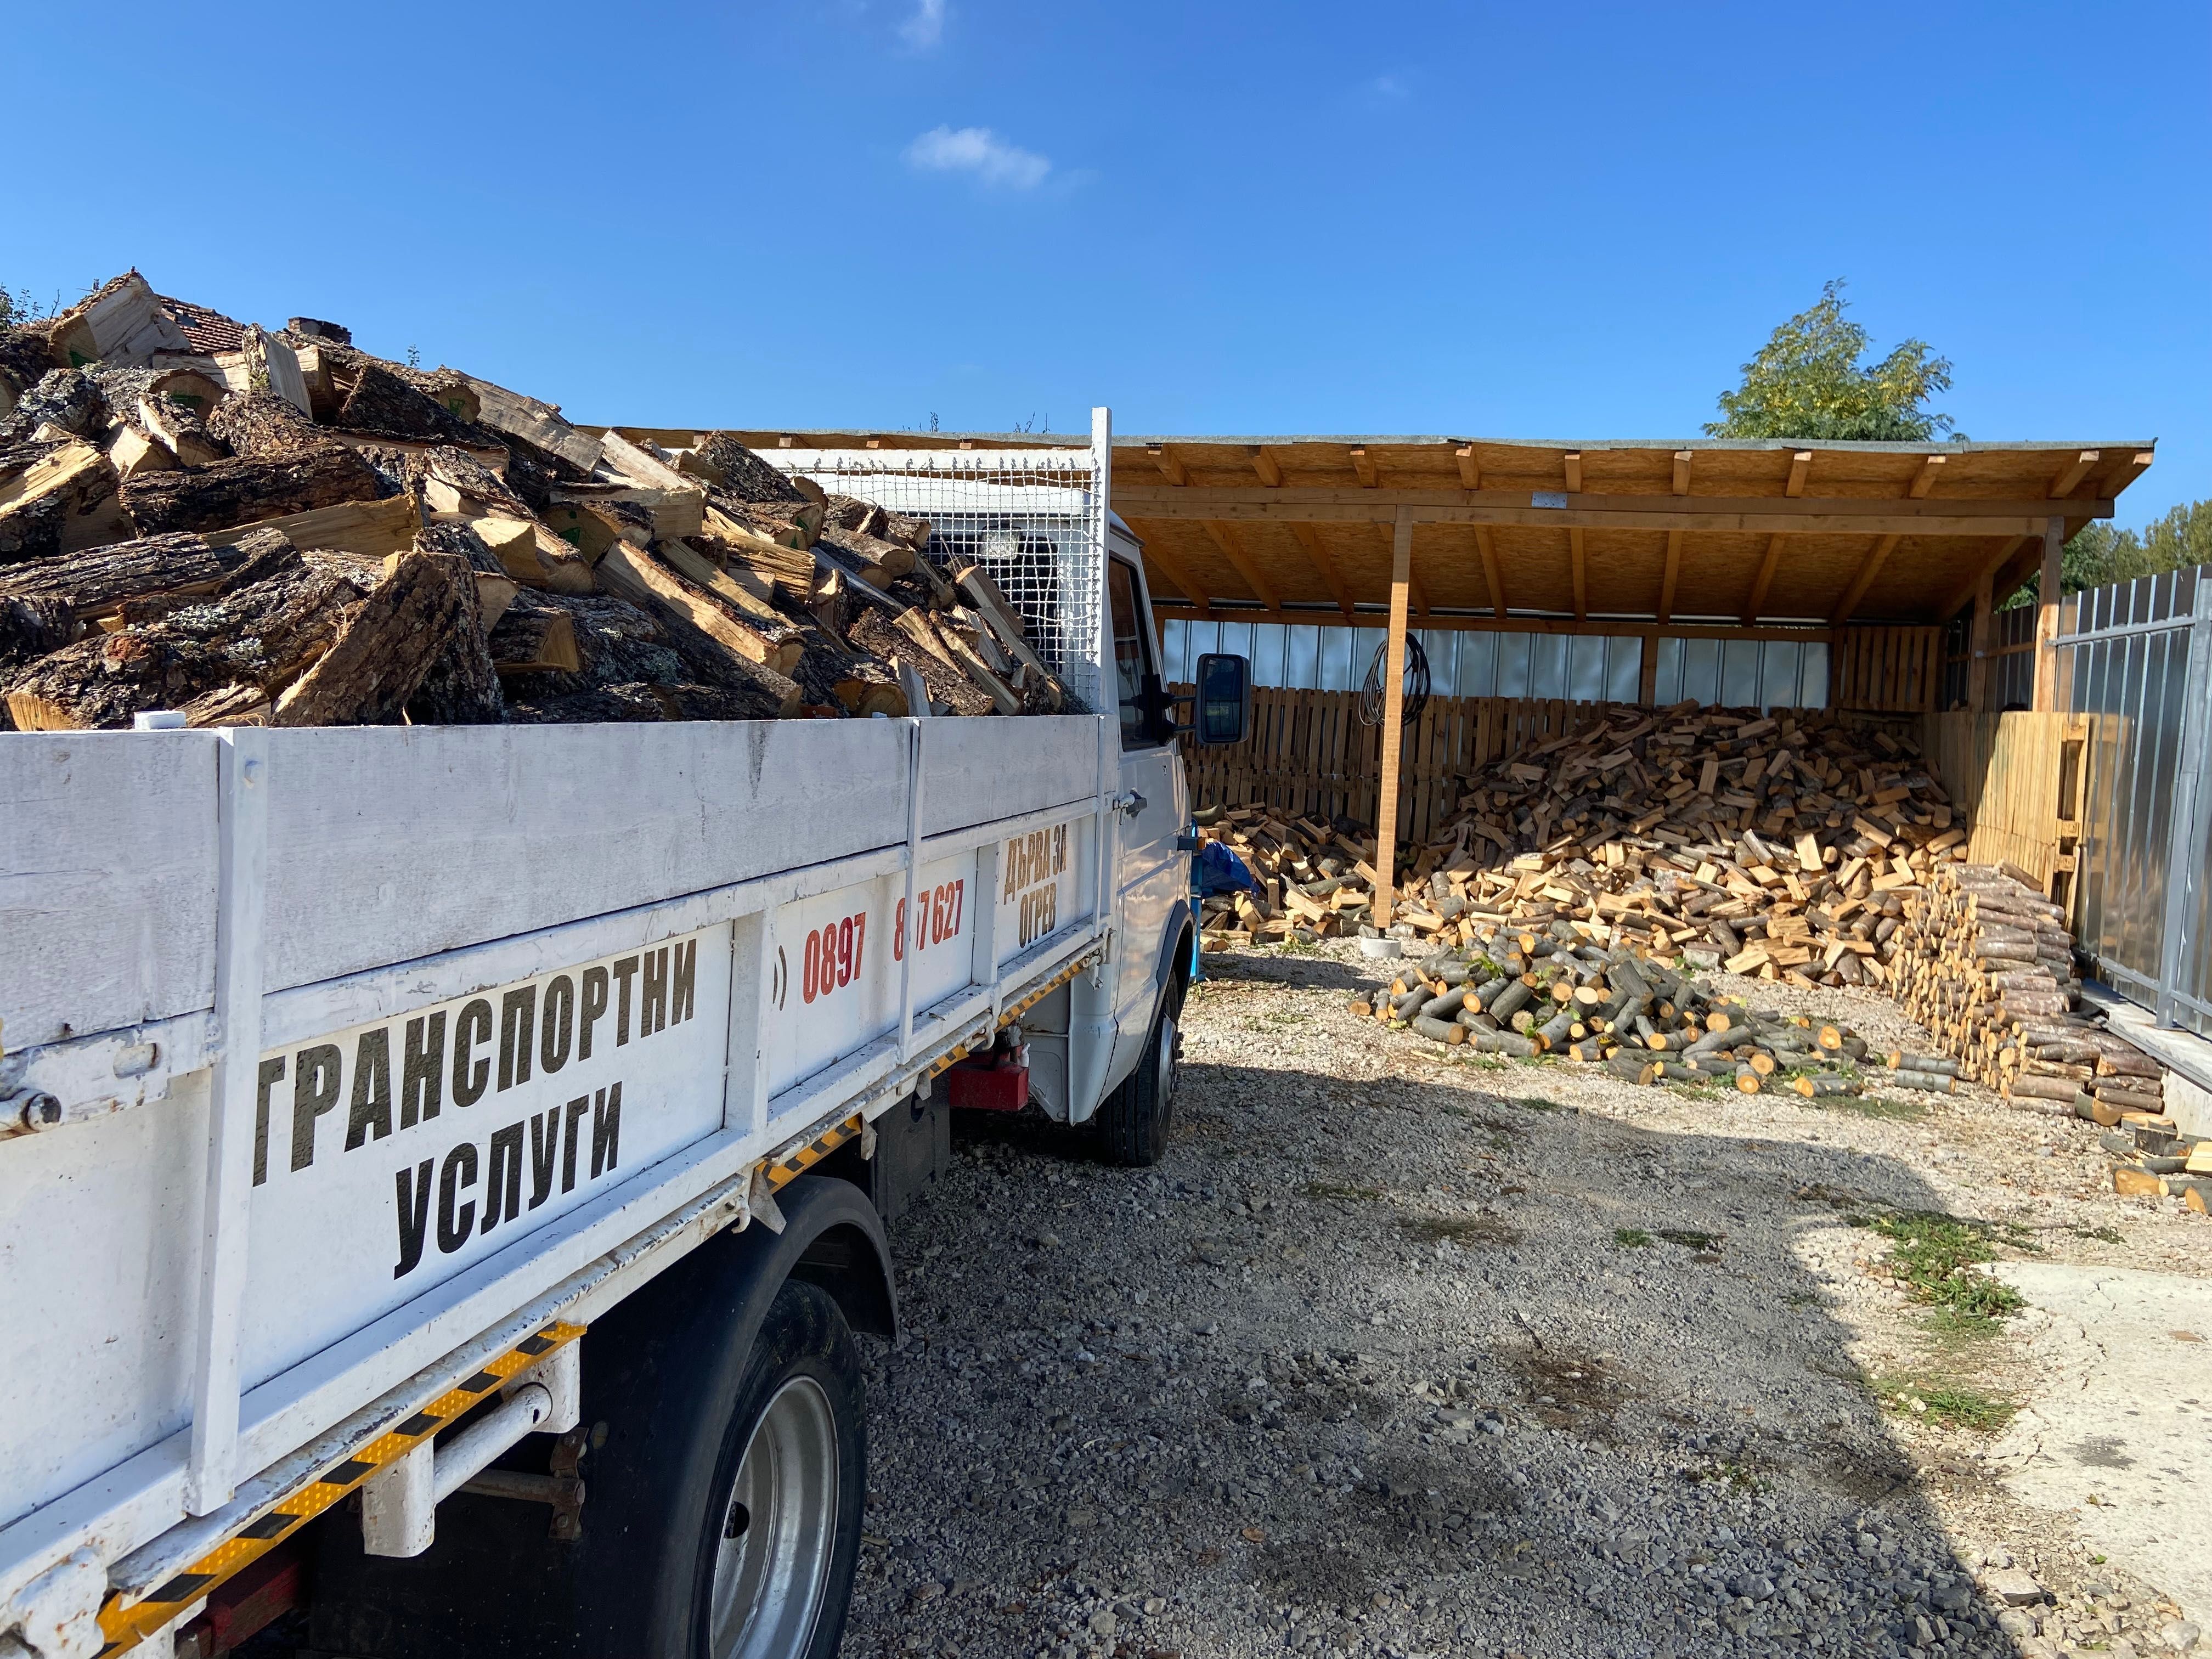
772 1576
1169 1038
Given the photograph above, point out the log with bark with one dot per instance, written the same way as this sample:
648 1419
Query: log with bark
389 642
463 685
260 424
535 637
244 490
232 654
738 473
68 400
99 579
945 684
632 671
681 607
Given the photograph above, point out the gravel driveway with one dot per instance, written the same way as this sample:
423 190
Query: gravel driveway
1409 1352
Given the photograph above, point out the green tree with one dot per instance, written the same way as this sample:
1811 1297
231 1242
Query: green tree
2099 555
1809 381
18 307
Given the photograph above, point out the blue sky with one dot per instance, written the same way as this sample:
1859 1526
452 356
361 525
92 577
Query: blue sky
1472 220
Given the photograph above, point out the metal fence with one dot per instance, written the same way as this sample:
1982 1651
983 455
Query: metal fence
2011 682
2138 655
1034 518
1472 663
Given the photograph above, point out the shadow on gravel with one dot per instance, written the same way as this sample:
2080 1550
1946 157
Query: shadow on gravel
1378 1365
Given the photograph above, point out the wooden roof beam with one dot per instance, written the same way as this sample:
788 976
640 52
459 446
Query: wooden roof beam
1764 581
1869 568
1470 470
1170 469
1271 472
2067 482
2133 468
1800 465
1364 465
1931 468
1488 546
1317 555
1572 462
1682 471
1673 575
1233 550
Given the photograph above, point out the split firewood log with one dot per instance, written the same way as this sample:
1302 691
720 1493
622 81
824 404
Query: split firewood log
944 681
372 529
737 472
67 399
244 490
388 646
535 637
462 687
174 406
454 481
537 424
99 579
379 400
260 424
256 638
637 576
66 499
632 671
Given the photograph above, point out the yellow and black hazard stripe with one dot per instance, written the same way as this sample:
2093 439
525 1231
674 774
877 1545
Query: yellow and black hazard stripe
1009 1015
125 1627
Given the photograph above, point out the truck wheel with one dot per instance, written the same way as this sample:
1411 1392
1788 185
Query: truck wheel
1134 1121
780 1541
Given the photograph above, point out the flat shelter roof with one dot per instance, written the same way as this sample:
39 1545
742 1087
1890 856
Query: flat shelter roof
1546 533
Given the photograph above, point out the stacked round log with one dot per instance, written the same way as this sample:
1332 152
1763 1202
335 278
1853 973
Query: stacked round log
1986 964
1550 990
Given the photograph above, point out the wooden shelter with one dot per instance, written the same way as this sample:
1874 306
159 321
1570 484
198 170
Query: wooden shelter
1870 547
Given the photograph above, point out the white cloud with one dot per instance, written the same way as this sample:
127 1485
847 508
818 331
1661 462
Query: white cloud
925 28
980 151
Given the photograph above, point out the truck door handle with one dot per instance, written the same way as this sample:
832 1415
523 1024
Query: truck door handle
1130 803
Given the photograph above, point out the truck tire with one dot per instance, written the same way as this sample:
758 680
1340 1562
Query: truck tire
1134 1121
778 1545
734 1379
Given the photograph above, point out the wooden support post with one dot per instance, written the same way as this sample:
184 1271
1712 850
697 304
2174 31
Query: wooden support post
1647 672
2046 617
1394 716
1978 644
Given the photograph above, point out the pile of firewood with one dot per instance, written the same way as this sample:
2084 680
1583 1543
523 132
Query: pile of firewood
1776 845
1985 963
272 526
1551 991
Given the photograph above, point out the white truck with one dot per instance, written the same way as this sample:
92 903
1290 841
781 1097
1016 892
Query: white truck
505 1118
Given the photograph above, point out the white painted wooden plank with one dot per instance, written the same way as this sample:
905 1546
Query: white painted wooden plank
107 880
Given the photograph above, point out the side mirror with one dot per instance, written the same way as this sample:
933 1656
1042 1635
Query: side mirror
1224 712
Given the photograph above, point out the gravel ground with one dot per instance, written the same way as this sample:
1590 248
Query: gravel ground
1415 1353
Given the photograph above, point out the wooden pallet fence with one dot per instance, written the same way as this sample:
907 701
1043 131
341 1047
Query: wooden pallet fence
1308 754
2018 780
1887 670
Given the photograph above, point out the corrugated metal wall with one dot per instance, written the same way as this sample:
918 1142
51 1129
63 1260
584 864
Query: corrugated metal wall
1471 663
2139 656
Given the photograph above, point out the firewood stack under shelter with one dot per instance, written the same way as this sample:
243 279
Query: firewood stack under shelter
1778 845
270 526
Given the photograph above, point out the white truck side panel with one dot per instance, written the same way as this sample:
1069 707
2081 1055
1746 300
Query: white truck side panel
100 1256
477 879
107 868
501 830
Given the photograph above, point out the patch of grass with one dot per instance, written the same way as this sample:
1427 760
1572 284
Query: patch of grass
1800 1299
1459 1228
1934 1255
1691 1241
1884 1107
1538 1103
1949 1323
1339 1190
2102 1235
1952 1405
1630 1238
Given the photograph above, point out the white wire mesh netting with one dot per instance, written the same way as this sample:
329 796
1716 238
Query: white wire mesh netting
1031 517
